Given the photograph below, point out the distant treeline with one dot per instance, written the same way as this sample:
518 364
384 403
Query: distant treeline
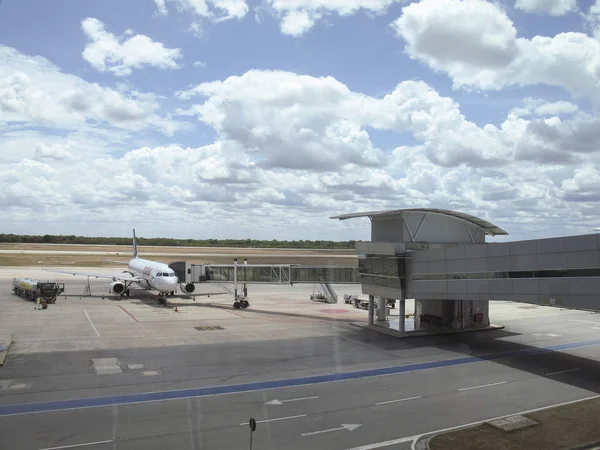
242 243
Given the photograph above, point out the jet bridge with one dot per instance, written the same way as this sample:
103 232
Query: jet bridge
227 274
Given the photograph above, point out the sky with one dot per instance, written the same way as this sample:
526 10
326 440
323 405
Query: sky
263 118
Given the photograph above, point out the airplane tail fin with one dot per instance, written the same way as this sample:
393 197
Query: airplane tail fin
135 251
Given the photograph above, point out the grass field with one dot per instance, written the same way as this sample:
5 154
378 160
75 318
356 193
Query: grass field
83 256
161 249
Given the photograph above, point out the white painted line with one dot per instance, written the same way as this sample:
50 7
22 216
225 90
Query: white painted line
483 385
280 402
273 420
416 437
386 443
349 427
584 321
395 401
562 371
78 445
91 323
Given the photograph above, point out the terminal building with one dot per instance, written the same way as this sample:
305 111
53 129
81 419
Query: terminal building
440 259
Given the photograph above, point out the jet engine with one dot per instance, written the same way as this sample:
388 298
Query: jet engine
187 288
116 287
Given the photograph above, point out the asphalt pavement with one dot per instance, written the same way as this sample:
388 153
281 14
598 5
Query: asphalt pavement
351 389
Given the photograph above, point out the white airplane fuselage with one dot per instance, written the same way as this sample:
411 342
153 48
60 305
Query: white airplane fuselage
154 275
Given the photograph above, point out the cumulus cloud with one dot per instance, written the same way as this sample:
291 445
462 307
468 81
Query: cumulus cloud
592 19
54 152
107 52
260 112
35 91
302 122
292 149
215 10
476 44
551 7
299 16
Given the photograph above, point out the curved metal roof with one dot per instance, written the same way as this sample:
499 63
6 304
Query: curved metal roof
488 227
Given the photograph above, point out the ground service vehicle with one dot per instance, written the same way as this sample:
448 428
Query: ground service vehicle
31 289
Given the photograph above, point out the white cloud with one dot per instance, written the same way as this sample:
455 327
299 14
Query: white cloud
109 52
259 112
55 152
215 10
35 91
551 7
592 18
199 64
476 44
539 107
161 7
301 122
293 149
299 16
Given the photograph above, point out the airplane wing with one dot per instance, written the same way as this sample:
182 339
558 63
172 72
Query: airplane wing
96 275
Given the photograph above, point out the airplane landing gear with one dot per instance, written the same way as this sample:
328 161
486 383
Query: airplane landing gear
162 301
241 304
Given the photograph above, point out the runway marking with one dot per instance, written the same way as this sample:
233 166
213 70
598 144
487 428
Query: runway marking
79 445
274 420
91 323
585 321
126 399
562 371
416 437
482 385
396 401
131 315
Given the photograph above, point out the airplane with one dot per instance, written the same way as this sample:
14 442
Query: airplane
143 272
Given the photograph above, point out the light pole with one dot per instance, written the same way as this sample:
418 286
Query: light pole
252 424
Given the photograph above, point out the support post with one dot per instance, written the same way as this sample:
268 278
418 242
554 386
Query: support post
245 277
371 309
380 309
402 318
235 266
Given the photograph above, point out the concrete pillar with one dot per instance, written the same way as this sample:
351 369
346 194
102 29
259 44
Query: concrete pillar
371 309
380 308
402 314
418 312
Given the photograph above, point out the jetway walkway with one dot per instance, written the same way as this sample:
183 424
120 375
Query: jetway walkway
273 274
230 276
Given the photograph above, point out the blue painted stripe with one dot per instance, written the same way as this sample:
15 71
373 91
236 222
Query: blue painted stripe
262 385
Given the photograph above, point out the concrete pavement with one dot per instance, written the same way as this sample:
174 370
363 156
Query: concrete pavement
543 356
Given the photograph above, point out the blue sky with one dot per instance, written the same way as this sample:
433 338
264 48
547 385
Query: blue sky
288 112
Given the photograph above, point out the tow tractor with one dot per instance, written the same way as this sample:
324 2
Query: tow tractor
31 289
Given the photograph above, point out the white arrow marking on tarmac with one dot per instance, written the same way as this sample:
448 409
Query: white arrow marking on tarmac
281 402
348 426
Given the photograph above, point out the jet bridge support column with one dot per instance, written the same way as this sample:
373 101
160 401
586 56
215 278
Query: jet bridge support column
371 309
402 315
380 309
